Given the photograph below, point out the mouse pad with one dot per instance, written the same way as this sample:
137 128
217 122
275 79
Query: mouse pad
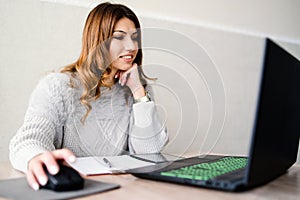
19 189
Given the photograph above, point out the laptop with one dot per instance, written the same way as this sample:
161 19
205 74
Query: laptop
275 136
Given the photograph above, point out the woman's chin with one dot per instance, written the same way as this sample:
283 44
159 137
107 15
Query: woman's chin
124 67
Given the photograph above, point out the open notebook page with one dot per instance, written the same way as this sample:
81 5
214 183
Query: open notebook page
96 165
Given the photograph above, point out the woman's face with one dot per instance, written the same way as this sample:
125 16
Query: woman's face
124 45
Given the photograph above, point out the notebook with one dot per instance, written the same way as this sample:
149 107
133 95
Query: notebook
108 164
275 135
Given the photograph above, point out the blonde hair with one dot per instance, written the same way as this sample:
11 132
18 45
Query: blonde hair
93 65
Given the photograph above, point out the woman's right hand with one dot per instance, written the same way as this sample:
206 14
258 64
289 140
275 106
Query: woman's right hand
36 175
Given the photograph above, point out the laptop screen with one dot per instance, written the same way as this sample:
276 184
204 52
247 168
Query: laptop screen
275 139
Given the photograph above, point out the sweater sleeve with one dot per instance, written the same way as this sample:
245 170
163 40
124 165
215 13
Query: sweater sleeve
147 133
42 119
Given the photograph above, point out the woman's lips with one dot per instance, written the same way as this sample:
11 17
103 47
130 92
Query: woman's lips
127 58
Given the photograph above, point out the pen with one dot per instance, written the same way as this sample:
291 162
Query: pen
107 162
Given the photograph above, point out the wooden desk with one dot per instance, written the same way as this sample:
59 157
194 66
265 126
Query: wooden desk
286 187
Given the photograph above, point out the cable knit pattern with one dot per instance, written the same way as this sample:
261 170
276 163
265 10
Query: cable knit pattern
52 121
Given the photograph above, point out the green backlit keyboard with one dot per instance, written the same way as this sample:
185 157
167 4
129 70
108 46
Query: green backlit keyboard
209 170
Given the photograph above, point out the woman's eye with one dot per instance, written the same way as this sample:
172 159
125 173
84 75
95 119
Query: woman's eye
135 38
118 37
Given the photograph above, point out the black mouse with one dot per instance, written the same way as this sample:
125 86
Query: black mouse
66 179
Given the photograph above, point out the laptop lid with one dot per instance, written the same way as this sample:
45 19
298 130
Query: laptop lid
276 131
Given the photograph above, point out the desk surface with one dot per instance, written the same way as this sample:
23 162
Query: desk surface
285 187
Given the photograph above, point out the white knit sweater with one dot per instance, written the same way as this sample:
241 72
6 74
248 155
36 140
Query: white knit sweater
114 125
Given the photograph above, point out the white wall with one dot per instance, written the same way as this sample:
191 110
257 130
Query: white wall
37 36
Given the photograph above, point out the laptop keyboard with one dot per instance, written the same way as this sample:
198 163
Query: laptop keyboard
209 170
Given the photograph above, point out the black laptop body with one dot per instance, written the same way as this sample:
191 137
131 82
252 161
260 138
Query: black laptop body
275 135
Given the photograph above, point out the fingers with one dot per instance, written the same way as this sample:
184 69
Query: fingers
64 154
117 74
36 175
32 180
124 76
134 65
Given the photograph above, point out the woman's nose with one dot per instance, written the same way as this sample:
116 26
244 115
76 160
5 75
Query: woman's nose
130 45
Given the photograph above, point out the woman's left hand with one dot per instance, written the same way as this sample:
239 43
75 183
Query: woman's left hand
131 78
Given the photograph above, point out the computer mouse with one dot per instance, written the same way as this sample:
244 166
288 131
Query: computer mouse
66 179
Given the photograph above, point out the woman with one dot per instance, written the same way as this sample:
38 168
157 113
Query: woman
96 106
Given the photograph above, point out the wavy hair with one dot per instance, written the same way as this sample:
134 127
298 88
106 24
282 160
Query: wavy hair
93 65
